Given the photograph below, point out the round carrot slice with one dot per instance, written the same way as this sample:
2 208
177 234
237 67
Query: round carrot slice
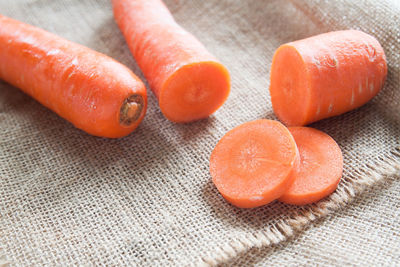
252 164
320 168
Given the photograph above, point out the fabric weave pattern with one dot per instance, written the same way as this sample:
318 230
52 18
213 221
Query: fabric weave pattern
67 198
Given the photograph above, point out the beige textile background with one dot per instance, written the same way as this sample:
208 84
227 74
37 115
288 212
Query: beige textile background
67 198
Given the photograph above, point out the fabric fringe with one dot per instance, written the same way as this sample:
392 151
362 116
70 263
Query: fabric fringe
3 260
352 186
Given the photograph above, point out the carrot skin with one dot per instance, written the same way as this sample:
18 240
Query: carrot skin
188 81
92 91
325 75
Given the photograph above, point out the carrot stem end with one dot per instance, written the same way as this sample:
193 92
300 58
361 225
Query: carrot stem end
131 110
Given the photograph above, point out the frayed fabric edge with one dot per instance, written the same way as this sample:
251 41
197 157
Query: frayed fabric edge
353 186
3 258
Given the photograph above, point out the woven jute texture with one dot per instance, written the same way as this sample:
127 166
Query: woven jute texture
365 233
67 198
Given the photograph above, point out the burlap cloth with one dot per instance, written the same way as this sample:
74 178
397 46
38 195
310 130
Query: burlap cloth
67 198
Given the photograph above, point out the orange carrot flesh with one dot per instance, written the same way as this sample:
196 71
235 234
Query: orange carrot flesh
189 82
94 92
325 75
320 168
253 164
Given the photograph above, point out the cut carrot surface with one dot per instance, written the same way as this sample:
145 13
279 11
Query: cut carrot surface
320 168
189 82
253 164
325 75
94 92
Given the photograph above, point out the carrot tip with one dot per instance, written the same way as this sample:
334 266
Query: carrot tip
131 110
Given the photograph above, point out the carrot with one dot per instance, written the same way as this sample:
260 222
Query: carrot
92 91
253 164
188 81
325 75
320 168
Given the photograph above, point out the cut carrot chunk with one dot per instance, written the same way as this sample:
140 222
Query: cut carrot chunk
189 82
325 75
320 168
252 164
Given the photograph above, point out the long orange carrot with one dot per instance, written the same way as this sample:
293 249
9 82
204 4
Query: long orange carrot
320 168
253 164
89 89
325 75
189 82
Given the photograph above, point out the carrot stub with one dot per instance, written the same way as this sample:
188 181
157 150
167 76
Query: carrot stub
325 75
320 168
252 164
189 82
94 92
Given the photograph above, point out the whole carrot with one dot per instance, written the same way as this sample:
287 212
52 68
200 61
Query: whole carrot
189 82
94 92
325 75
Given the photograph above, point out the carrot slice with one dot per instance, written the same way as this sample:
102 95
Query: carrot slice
91 90
188 81
325 75
252 164
320 168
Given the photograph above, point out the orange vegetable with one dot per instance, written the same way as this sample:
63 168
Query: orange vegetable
253 164
189 82
320 168
325 75
89 89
